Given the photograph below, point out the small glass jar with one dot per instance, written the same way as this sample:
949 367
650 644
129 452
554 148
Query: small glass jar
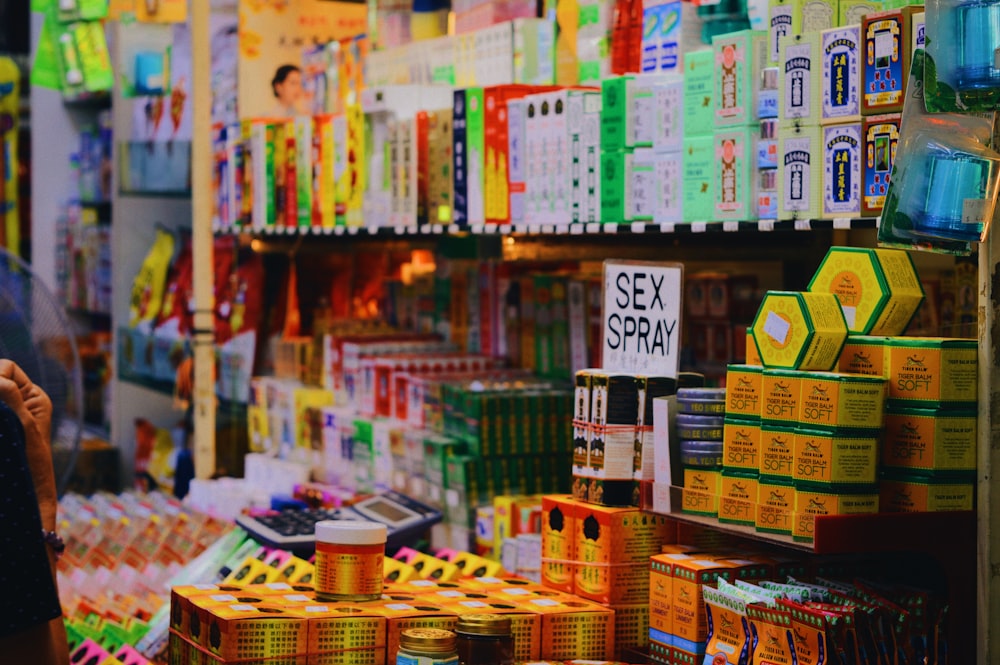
349 559
485 639
427 646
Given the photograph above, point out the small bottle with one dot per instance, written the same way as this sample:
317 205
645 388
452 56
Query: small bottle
349 559
427 646
485 639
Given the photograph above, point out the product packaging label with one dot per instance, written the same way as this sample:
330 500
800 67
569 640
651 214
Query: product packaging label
840 56
842 170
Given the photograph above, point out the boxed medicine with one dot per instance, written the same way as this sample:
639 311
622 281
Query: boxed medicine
699 161
617 117
738 497
781 394
616 194
930 440
800 164
642 182
840 55
735 194
799 79
925 494
831 399
668 111
810 503
776 443
559 542
887 43
927 372
743 391
739 59
880 134
668 173
842 154
851 12
698 109
741 444
840 458
863 354
775 504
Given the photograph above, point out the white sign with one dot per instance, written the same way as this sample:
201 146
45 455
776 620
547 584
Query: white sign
642 317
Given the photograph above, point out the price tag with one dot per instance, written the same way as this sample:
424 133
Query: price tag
842 223
534 229
352 230
412 230
776 327
803 225
338 230
638 227
730 227
593 227
576 229
490 228
699 227
400 230
548 228
476 228
453 228
562 229
765 225
425 229
437 229
668 227
504 229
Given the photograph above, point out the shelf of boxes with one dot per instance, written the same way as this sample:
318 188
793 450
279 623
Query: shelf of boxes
594 229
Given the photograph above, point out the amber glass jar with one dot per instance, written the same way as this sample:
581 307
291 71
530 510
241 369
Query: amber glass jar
484 639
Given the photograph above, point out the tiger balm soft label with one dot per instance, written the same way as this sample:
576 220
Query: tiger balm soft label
932 370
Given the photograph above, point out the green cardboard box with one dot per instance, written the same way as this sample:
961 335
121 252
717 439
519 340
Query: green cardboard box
699 199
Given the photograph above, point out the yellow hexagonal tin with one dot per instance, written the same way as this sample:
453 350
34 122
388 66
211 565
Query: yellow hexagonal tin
795 330
878 289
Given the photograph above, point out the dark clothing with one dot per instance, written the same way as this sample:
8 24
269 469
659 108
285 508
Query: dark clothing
29 593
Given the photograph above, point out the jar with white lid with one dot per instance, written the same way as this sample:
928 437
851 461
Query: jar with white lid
349 560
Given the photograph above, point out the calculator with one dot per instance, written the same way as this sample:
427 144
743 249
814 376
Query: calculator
295 530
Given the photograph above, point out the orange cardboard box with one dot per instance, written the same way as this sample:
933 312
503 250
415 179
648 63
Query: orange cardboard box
402 615
574 628
241 631
559 542
690 629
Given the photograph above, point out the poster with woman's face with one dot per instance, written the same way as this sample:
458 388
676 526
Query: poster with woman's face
273 35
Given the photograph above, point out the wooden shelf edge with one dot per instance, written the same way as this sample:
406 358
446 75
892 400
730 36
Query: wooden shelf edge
862 534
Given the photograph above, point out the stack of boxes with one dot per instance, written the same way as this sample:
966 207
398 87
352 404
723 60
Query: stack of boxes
800 440
678 623
562 145
799 153
840 115
697 180
601 554
613 434
739 58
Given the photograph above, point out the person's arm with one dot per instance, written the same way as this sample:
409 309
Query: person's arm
45 643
